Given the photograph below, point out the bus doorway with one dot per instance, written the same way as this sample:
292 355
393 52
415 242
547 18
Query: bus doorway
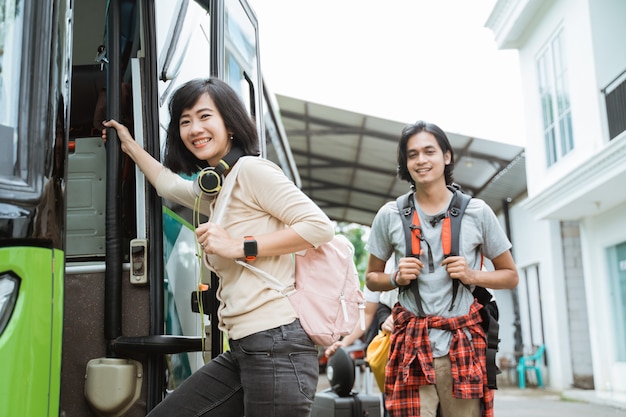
97 272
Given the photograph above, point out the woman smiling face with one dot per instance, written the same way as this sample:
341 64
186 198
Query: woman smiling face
203 131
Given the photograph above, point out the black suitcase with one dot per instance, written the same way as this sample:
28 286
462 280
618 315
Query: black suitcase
328 403
340 400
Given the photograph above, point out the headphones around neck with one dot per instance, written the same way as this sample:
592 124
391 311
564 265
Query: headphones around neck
211 179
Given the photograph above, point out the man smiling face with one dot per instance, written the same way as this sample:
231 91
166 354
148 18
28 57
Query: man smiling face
426 161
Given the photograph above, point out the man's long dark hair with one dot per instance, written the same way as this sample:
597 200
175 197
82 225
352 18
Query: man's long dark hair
411 130
236 118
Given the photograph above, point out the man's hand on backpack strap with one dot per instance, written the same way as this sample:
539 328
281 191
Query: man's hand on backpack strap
457 268
408 270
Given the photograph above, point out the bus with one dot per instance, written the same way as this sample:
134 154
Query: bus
103 301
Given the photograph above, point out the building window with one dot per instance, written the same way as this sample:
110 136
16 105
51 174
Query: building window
615 99
617 275
555 101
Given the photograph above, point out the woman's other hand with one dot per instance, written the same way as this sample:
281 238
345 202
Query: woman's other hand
150 167
122 133
214 240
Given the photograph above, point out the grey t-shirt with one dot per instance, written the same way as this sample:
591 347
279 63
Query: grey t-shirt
480 233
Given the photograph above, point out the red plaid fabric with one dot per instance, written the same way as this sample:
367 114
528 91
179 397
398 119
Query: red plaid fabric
411 361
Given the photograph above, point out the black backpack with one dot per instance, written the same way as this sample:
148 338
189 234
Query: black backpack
452 222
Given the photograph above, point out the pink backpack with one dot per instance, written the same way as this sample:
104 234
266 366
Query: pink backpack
327 294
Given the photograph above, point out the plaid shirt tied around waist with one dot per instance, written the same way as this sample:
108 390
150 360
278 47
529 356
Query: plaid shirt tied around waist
411 364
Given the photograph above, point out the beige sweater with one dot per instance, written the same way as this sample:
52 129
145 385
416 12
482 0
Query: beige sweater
263 200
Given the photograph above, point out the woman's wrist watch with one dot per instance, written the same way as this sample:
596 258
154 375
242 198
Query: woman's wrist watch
250 248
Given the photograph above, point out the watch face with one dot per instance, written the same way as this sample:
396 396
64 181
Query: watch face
250 248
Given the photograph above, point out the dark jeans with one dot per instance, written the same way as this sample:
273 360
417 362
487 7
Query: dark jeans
272 373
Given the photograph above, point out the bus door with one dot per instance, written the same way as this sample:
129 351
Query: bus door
220 41
130 335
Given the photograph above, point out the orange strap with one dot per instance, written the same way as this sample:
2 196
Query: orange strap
416 235
446 236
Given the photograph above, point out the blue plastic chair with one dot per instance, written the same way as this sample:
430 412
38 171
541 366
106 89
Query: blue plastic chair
530 363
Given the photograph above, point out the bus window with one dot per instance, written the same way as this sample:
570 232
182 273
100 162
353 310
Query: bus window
241 57
276 141
240 43
173 47
184 45
11 28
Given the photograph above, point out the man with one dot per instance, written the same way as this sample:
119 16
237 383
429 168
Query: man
437 358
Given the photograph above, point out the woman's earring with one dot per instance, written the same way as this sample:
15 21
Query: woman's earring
232 137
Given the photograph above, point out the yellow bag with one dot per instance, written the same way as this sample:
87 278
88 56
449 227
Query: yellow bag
377 355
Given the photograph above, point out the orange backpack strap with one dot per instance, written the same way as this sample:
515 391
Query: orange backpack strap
416 236
446 236
413 237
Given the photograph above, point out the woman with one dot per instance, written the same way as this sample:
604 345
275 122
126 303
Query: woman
271 368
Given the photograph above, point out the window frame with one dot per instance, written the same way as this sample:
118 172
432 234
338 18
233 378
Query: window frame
554 98
617 288
34 134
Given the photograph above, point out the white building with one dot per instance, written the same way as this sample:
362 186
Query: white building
569 235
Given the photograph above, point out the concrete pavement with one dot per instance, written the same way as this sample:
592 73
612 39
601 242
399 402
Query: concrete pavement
514 402
535 402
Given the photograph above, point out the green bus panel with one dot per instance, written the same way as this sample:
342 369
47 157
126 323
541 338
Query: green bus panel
30 346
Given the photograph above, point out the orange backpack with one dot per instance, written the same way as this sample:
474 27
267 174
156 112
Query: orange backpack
450 238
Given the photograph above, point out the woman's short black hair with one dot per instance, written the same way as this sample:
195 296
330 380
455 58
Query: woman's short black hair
442 140
236 119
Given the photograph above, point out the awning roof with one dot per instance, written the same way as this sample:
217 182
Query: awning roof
347 161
